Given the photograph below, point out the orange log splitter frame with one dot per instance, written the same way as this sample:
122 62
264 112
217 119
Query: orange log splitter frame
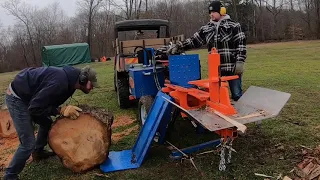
218 86
215 97
217 94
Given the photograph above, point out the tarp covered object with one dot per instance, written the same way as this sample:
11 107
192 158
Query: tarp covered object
65 54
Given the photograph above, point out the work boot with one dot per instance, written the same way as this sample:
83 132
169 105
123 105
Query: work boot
37 156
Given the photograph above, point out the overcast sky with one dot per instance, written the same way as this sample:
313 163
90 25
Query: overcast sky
69 7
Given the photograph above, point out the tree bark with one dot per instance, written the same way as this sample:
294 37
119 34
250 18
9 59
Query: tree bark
317 5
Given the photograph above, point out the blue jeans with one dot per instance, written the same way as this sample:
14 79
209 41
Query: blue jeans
23 123
236 88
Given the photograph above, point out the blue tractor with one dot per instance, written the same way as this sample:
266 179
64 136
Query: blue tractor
140 67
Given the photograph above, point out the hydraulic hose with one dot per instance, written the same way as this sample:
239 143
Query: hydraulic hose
155 74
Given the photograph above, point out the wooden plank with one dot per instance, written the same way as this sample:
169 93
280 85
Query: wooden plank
256 114
117 42
160 41
127 47
128 50
240 126
133 43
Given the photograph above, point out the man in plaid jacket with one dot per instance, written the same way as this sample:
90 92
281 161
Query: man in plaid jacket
227 37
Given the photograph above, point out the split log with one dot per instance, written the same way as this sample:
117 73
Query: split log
7 129
84 143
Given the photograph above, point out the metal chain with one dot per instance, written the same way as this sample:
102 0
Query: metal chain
222 165
225 145
230 150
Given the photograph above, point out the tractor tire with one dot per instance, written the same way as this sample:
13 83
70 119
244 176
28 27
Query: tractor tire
115 80
123 92
144 106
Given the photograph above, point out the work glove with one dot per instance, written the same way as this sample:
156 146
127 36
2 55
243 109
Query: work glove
175 48
162 49
239 67
70 111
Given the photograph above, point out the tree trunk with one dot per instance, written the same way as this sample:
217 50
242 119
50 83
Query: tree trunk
32 46
90 24
317 5
24 52
139 9
89 31
235 10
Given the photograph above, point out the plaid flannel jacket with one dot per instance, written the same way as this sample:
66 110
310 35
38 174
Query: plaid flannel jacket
226 36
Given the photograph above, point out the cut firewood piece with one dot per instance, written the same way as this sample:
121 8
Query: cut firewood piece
315 173
309 168
304 163
7 129
287 178
84 143
299 173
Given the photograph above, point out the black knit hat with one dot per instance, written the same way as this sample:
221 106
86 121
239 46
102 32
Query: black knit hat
215 6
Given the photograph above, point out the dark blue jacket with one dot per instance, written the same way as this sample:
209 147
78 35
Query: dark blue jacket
44 89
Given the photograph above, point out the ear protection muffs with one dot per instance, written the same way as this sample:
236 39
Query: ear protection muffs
83 78
223 11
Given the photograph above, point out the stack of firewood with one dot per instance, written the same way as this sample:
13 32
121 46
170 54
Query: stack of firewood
309 167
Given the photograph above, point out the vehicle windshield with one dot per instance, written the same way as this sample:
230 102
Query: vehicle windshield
142 34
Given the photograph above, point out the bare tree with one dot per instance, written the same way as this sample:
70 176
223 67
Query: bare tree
90 7
46 22
138 9
146 5
305 6
129 8
23 12
19 33
275 9
3 45
268 20
317 9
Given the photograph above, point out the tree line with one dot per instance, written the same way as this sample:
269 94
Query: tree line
261 20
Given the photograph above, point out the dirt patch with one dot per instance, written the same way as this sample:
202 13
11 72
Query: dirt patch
116 137
7 149
122 121
8 146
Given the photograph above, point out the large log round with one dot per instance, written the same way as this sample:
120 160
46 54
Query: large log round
83 143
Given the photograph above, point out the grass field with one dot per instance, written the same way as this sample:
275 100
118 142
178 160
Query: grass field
292 67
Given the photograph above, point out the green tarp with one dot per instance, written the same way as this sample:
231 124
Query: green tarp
65 54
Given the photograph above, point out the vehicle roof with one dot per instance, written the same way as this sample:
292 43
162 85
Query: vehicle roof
143 24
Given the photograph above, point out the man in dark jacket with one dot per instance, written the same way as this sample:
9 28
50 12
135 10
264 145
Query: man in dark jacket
34 96
227 37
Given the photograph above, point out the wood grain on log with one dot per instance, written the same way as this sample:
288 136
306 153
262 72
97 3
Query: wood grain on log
83 143
7 129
